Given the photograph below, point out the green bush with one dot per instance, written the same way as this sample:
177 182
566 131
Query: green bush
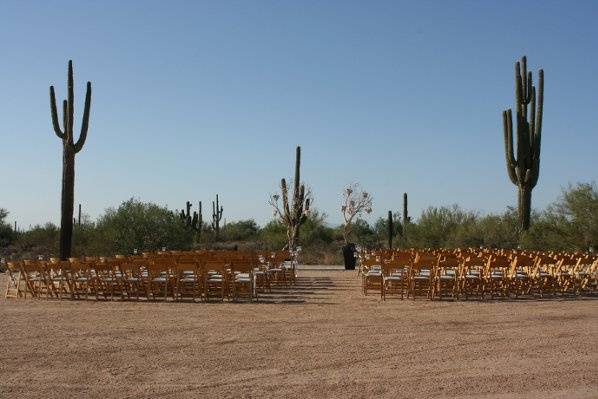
7 234
143 226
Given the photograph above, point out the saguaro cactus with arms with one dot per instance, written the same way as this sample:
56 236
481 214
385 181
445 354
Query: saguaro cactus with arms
292 214
69 149
523 164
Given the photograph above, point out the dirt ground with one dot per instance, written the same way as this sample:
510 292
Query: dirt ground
322 339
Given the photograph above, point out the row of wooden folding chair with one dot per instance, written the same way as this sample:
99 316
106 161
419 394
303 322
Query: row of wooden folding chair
437 274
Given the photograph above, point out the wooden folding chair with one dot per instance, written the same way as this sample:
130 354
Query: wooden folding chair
372 277
472 277
421 275
261 275
188 279
498 276
446 278
242 279
215 279
523 275
58 275
16 286
161 278
80 278
544 280
585 273
395 275
565 275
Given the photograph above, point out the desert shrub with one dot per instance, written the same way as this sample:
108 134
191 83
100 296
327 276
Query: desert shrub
143 226
274 235
39 240
243 230
570 223
365 235
315 231
7 235
442 227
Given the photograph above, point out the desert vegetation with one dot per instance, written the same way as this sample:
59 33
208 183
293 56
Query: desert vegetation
569 223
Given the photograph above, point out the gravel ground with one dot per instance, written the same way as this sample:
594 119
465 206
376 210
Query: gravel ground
321 339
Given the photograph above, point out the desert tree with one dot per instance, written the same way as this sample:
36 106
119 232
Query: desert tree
355 203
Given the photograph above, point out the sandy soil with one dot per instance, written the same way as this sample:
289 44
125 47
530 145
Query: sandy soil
323 339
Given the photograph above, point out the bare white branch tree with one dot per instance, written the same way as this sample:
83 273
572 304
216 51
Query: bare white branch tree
355 203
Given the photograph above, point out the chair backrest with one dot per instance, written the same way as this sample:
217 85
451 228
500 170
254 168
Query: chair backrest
500 264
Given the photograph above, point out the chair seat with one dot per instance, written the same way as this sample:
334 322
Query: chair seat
472 276
189 279
447 277
421 278
393 278
159 279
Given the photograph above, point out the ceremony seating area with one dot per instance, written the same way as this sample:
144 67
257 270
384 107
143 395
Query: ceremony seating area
163 276
481 274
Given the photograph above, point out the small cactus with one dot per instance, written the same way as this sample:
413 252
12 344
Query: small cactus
217 210
402 227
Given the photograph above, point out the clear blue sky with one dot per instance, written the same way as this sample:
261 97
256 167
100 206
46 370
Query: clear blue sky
197 98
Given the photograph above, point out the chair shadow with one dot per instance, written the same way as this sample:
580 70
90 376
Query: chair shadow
304 290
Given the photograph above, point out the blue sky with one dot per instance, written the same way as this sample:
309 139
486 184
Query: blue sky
197 98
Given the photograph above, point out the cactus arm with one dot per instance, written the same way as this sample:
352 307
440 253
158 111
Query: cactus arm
298 204
199 216
85 122
537 132
507 119
285 201
70 105
297 171
54 113
532 121
540 103
64 113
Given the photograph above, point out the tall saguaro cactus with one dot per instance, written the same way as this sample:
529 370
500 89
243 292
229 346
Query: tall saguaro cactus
523 164
217 210
293 212
69 149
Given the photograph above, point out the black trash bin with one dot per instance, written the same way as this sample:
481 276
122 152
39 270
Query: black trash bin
349 256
